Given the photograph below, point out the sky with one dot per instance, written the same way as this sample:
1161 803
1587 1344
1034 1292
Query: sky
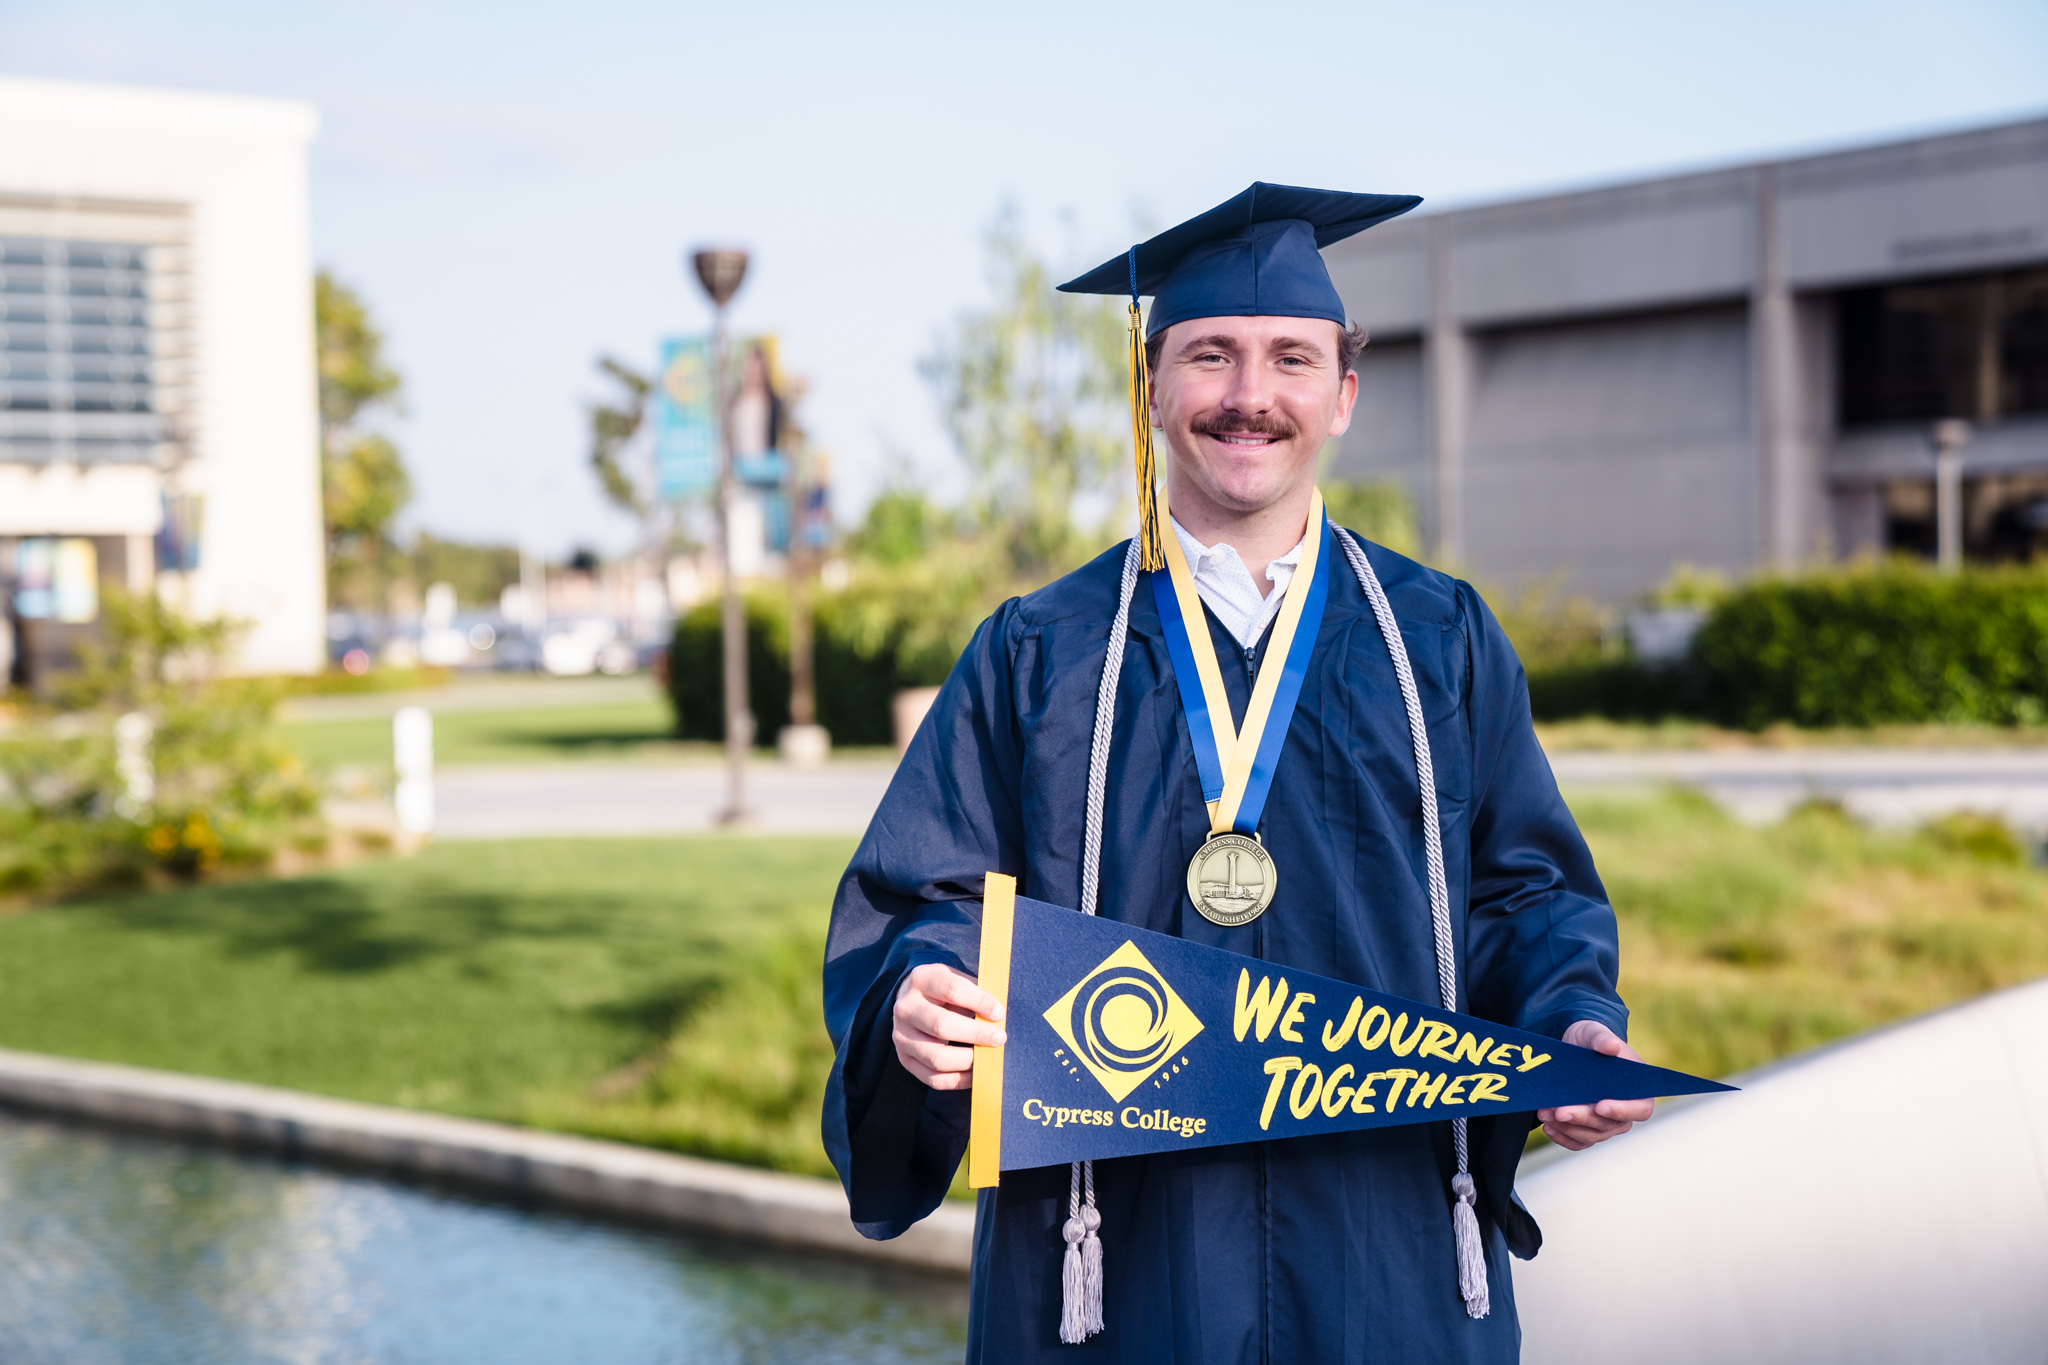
513 187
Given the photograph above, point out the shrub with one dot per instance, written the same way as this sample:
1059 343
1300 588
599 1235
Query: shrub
895 626
1870 645
860 660
218 791
1866 646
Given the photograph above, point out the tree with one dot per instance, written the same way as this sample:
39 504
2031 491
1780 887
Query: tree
612 427
1034 393
363 480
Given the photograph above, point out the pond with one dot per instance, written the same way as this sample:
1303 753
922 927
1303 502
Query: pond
130 1249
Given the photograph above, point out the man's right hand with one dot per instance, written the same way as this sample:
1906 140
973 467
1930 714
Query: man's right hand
936 1028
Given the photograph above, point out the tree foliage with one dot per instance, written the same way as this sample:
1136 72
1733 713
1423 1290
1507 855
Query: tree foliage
613 426
353 372
1033 392
364 484
1378 509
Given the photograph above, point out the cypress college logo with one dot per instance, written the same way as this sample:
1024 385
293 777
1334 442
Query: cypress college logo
1122 1021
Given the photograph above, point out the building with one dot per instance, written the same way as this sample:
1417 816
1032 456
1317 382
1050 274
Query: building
158 411
1732 369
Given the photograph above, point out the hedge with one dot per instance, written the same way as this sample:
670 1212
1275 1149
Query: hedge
1893 644
857 678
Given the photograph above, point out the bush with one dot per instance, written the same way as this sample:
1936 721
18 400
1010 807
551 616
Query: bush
1867 646
895 626
862 655
216 791
1871 645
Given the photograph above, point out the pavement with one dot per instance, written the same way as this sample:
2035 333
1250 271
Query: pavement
1883 786
647 798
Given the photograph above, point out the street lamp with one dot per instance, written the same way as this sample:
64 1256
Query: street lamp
720 271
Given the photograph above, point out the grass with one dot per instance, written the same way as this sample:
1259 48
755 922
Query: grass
1741 945
644 727
614 730
665 991
567 984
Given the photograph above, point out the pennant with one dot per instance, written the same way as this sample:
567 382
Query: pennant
1123 1042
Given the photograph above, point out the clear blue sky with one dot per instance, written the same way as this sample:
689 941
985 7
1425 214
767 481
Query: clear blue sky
512 185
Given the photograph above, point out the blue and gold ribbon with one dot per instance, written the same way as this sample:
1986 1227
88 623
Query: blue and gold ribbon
1236 767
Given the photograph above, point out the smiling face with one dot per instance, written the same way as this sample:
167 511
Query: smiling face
1246 404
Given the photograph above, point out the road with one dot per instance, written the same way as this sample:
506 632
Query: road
1884 786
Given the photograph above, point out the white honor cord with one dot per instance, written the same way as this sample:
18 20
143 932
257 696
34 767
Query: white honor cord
1464 1214
1081 1281
1081 1307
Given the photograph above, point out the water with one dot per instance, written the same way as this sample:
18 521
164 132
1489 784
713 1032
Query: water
118 1248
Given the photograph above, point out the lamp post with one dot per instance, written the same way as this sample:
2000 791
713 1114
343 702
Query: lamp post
1950 437
720 272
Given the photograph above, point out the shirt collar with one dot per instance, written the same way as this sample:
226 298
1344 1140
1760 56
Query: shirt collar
1197 553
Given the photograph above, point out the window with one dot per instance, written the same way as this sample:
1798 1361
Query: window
1974 347
77 360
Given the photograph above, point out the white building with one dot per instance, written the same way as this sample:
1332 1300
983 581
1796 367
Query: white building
158 410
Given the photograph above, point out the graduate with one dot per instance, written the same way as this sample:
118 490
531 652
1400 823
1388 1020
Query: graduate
1377 753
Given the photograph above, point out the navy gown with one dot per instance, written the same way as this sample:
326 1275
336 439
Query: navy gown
1328 1248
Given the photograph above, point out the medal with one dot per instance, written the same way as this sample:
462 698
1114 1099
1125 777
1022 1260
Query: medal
1231 879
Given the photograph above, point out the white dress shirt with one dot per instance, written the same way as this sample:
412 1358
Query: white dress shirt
1226 586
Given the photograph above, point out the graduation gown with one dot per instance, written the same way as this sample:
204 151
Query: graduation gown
1322 1248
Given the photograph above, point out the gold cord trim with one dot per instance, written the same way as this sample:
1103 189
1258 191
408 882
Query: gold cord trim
1151 556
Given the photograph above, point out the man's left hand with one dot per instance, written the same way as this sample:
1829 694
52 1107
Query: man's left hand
1579 1126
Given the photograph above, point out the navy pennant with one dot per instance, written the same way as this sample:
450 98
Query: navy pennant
1123 1042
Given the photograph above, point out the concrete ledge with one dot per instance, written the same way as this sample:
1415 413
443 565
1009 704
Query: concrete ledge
570 1172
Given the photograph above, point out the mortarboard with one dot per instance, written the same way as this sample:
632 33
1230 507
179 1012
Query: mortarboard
1257 254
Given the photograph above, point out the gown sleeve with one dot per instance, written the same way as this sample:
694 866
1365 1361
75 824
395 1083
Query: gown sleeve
912 895
1542 950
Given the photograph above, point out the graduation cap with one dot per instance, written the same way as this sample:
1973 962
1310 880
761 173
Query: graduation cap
1257 254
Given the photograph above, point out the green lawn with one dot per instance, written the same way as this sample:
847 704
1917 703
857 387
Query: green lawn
665 991
1741 945
618 729
500 980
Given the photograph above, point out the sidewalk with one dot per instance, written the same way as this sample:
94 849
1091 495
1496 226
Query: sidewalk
1883 786
619 799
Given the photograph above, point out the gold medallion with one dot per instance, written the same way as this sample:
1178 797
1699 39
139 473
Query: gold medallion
1231 880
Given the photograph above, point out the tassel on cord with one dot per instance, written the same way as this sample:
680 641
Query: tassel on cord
1471 1255
1091 1257
1080 1310
1073 1318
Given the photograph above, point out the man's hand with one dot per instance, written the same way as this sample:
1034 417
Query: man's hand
936 1029
1579 1126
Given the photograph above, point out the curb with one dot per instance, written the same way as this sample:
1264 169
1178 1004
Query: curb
586 1174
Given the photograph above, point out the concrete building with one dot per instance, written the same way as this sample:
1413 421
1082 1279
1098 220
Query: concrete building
1732 369
158 416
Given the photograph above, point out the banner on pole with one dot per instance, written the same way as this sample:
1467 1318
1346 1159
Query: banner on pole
685 419
1123 1041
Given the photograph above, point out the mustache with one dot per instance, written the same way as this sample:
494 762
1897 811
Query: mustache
1237 424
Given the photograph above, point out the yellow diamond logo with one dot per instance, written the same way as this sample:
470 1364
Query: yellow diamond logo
1122 1021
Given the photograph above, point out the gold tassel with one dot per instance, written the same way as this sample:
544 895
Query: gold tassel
1151 550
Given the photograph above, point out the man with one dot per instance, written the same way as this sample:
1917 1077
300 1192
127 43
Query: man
1337 1247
